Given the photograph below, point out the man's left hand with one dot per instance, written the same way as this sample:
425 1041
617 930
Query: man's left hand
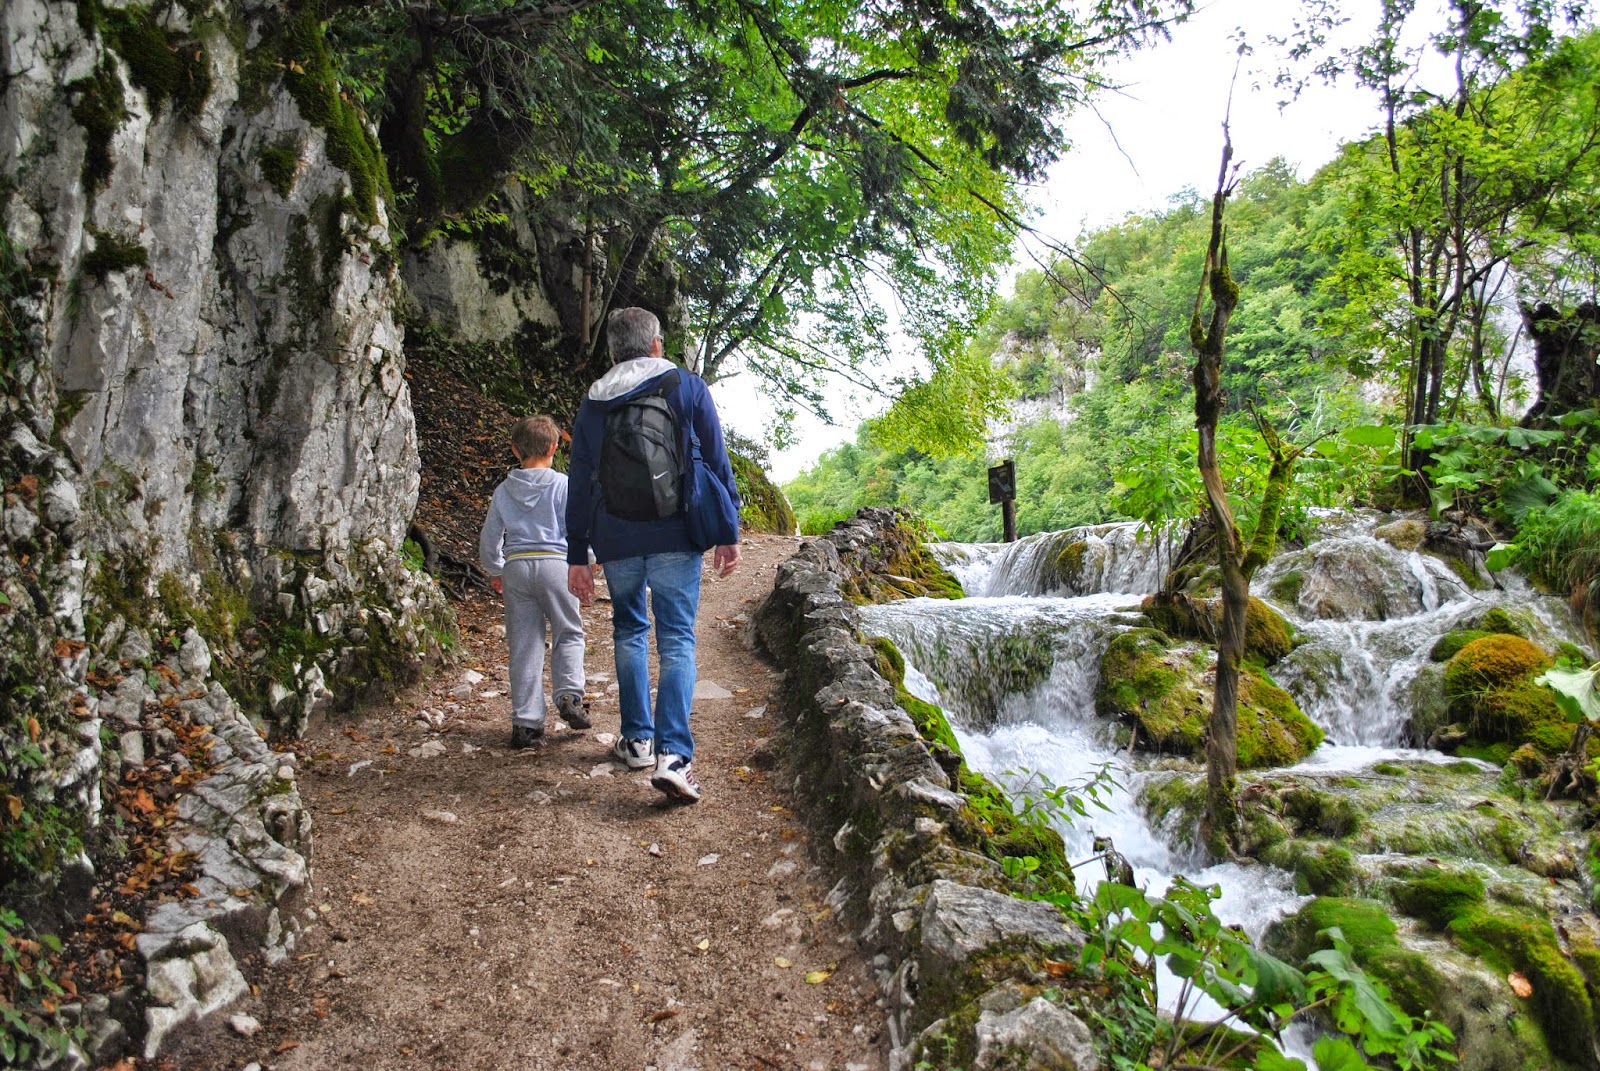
580 582
724 560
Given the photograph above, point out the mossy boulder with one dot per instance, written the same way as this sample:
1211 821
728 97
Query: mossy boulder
1404 534
1526 942
1489 685
1427 976
762 505
1069 563
1268 637
1165 691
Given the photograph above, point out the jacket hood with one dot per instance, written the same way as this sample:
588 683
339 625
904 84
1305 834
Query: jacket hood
626 376
529 487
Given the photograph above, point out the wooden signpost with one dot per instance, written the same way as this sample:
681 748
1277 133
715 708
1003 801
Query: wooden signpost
1003 492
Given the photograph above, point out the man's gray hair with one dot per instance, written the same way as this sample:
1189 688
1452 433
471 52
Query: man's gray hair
629 333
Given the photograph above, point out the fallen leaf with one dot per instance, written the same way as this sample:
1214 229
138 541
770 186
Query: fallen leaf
361 898
818 977
1058 968
703 944
1519 985
663 1014
285 1046
782 961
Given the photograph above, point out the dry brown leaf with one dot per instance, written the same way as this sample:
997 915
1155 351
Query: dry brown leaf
663 1014
285 1046
1519 985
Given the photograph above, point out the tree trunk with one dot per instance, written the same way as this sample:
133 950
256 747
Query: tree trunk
1220 826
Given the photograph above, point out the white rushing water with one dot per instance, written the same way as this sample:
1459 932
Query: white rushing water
1368 614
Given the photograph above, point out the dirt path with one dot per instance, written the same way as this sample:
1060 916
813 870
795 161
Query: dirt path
488 909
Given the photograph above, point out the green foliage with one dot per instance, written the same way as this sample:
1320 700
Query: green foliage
1130 931
29 993
777 167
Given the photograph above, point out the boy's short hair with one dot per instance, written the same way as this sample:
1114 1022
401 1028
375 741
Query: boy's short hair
534 436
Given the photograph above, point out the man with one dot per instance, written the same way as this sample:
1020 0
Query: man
643 542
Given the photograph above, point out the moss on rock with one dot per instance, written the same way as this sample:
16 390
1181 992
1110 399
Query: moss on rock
280 164
167 66
1164 690
1527 943
1438 897
100 107
762 505
313 82
1489 685
1267 635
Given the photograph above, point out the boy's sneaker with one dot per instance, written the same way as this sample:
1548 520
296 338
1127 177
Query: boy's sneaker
525 736
570 706
675 776
636 753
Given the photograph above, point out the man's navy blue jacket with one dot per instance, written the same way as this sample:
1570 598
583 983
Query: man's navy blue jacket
589 525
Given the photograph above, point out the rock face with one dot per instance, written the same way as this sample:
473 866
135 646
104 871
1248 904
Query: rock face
961 961
204 426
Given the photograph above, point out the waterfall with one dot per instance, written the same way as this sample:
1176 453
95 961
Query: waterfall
1112 558
1015 666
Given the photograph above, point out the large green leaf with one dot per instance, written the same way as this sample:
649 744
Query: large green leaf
1337 1054
1379 436
1576 691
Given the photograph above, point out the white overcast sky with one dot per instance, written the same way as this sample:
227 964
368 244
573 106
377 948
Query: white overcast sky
1168 136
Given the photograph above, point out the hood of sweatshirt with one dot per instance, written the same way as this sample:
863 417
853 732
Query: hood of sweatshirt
626 376
529 487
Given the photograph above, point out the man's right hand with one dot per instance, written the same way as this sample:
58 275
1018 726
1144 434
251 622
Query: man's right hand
580 581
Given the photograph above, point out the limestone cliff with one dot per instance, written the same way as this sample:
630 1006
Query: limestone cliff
205 429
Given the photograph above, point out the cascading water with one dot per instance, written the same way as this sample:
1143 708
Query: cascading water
1015 666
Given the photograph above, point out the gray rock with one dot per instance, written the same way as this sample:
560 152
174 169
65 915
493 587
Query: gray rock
1037 1036
196 976
132 747
961 921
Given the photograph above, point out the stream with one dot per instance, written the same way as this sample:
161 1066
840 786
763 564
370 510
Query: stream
1368 614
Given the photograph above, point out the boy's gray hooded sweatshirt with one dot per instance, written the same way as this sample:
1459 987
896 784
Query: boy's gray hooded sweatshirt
527 515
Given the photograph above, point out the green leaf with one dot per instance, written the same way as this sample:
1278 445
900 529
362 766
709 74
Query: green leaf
1500 556
1270 1059
1379 436
1276 981
1577 692
1337 1054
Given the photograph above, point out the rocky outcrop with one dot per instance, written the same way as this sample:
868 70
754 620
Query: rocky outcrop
204 430
961 962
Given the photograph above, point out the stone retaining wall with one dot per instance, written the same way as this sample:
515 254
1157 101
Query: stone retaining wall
959 959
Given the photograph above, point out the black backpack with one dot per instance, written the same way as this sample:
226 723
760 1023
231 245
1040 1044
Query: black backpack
641 467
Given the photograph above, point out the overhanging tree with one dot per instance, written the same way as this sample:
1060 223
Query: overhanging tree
811 171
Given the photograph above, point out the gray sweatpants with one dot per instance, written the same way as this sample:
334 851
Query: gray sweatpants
536 593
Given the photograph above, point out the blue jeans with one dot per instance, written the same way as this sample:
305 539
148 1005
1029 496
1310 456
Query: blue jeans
673 581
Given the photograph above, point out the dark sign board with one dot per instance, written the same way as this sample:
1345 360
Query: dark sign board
1002 482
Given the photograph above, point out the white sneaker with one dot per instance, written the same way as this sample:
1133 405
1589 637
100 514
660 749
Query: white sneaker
675 776
637 754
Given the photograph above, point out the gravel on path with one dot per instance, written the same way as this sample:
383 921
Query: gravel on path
487 909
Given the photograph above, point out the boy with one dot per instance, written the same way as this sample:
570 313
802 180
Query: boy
523 548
